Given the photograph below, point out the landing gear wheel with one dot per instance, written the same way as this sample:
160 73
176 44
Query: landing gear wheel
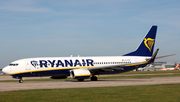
94 78
80 79
20 81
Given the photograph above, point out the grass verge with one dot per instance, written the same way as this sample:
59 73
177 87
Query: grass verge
147 93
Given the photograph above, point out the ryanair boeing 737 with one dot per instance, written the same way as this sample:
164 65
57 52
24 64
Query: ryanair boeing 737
81 68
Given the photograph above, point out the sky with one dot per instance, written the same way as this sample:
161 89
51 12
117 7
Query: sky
60 28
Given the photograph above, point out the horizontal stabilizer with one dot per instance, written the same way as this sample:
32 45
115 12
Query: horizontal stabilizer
165 56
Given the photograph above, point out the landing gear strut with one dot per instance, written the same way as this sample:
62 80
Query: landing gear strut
94 78
21 80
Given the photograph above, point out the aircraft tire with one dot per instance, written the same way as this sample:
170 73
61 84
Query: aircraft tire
20 81
94 78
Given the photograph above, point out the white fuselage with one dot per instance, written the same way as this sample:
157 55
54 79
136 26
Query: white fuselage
67 63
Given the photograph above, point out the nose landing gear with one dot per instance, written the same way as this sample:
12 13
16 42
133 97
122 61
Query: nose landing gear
21 81
17 77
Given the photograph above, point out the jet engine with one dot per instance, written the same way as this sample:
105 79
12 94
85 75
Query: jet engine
80 74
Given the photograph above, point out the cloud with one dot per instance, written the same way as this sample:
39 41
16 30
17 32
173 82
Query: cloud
22 6
25 9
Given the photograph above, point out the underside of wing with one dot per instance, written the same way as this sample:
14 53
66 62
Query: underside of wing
117 68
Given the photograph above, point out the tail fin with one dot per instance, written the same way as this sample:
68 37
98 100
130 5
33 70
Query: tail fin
176 67
147 45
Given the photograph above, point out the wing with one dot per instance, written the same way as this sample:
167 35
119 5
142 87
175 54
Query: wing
114 68
122 67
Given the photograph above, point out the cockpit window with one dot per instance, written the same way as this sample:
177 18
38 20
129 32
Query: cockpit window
13 64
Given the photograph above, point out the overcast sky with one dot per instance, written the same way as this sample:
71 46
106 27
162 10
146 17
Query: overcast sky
45 28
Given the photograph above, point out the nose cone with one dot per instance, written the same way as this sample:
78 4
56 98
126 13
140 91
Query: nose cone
6 70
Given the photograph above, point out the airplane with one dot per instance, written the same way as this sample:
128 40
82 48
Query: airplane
81 68
170 67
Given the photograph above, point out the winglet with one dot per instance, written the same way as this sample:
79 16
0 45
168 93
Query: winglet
153 57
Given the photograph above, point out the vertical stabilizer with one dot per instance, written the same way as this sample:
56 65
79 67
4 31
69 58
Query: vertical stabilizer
176 67
147 45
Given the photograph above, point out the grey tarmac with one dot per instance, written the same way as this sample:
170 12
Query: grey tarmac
7 77
10 86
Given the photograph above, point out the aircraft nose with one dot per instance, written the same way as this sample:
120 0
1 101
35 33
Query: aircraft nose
6 70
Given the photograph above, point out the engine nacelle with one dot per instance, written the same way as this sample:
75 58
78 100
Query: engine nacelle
80 74
58 77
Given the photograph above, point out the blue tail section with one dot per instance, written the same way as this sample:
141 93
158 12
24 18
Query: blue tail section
147 45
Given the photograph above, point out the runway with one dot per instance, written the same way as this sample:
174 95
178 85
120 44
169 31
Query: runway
10 86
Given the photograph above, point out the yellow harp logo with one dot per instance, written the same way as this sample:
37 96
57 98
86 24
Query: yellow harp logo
149 43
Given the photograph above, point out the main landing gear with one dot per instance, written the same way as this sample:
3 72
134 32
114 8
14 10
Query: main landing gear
94 78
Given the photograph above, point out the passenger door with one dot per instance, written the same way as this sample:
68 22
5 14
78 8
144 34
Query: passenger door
27 64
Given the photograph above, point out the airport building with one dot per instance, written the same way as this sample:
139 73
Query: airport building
156 66
1 71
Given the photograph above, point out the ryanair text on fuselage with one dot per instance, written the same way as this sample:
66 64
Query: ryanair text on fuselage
63 63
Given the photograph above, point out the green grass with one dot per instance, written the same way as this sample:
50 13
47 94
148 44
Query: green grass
147 93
